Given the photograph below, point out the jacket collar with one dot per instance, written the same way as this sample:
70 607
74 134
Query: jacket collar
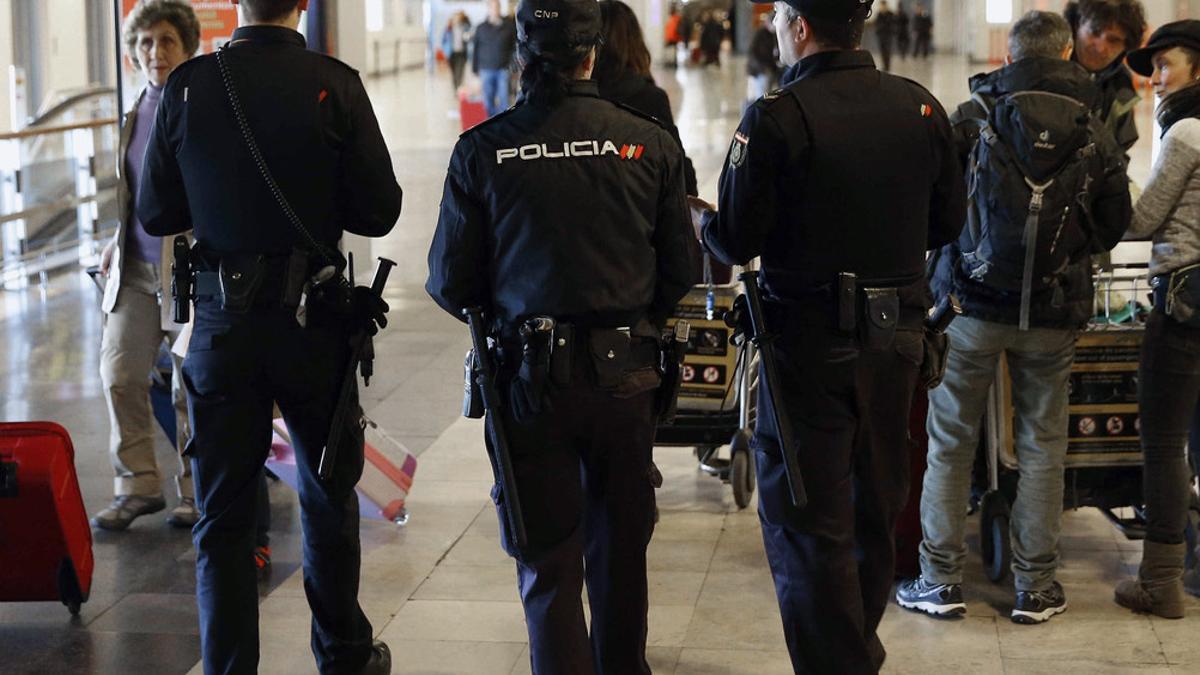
839 59
268 34
1055 76
583 88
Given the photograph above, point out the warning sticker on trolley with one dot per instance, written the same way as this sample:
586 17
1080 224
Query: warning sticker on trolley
703 374
1105 426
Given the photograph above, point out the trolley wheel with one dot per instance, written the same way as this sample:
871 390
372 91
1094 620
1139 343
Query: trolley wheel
73 607
741 469
993 535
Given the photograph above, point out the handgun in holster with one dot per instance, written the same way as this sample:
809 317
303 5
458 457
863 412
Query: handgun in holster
673 350
529 387
181 280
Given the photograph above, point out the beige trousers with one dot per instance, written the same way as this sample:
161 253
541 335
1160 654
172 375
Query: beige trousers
133 334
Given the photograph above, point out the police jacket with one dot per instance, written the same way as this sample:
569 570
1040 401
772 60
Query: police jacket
574 210
1071 305
317 132
843 169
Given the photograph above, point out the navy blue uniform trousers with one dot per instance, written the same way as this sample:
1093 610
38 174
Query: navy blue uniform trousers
237 365
583 474
833 560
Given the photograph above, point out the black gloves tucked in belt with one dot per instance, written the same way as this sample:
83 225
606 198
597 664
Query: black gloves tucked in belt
369 311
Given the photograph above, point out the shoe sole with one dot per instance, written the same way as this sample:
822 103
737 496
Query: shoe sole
181 522
1030 618
933 608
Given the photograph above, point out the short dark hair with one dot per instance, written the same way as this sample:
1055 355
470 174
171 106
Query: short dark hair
1129 15
268 10
149 12
835 33
1039 34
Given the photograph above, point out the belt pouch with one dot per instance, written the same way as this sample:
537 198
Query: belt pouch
881 310
241 276
560 354
609 350
1183 296
296 275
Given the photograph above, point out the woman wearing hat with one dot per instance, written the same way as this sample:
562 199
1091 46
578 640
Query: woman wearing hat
564 218
1169 376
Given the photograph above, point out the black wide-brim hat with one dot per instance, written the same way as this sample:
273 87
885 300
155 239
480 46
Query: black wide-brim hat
1176 34
552 25
834 10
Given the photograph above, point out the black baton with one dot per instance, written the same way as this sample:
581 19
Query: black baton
358 343
485 376
765 342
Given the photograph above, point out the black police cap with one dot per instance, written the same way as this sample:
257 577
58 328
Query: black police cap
1177 34
833 10
548 25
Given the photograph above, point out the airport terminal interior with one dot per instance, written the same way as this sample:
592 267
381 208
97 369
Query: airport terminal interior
439 589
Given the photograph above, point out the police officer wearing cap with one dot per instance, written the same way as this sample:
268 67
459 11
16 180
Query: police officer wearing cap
269 152
565 219
839 181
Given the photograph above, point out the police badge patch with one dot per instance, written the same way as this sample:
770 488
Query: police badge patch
737 151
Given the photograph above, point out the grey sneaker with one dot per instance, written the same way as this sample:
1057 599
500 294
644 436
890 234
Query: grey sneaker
184 515
1038 606
125 508
942 600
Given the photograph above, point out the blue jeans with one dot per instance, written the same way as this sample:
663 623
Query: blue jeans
1039 363
495 90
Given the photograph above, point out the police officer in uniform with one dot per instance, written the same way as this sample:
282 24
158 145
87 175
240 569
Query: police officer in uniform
318 163
571 208
840 181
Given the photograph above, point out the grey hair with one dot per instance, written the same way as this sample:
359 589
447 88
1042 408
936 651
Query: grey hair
790 14
1039 34
149 12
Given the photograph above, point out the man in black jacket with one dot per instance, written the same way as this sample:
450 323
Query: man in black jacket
495 42
1104 31
319 141
1087 209
841 181
570 209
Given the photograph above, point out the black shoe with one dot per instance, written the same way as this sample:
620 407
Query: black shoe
935 599
1038 606
380 662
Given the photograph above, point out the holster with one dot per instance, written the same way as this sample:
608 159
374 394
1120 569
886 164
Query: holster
881 313
473 407
672 351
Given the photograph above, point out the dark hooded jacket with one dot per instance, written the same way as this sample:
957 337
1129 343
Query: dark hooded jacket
642 94
1070 305
1118 101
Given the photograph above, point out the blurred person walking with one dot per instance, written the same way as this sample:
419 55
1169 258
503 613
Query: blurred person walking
493 46
455 41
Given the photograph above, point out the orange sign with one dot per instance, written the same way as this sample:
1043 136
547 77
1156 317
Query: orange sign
218 19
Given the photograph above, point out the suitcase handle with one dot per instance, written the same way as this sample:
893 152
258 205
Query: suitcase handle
8 480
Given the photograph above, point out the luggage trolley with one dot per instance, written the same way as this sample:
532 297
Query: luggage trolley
1104 458
716 403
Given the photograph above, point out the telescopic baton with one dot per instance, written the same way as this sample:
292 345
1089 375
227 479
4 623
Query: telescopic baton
765 342
485 377
358 343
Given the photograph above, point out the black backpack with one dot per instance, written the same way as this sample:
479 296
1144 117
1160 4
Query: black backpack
1028 182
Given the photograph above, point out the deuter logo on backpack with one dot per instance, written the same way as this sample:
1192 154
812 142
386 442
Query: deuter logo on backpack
1029 178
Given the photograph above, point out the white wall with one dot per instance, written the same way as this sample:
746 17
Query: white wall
6 60
63 46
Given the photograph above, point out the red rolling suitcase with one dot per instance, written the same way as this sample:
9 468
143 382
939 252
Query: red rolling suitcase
45 541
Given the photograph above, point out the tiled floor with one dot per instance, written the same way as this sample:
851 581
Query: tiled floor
440 590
